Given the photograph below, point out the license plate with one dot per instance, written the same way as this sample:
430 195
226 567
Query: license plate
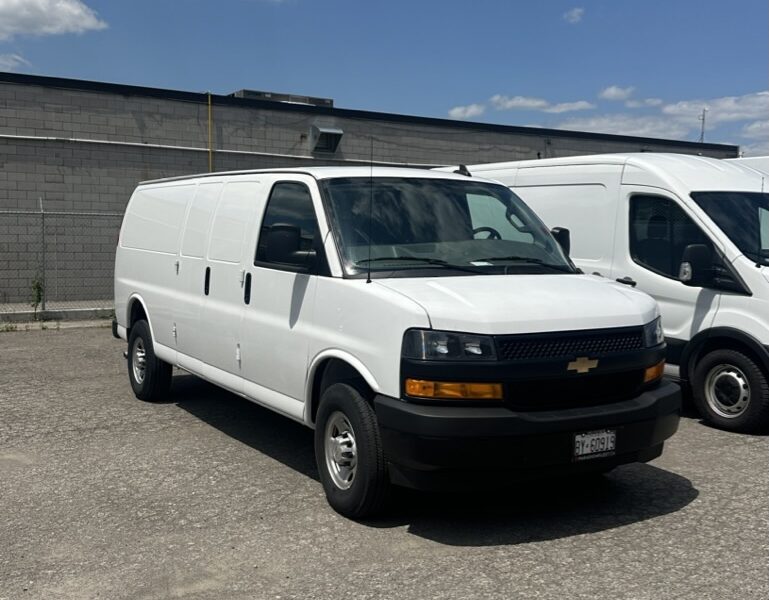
594 444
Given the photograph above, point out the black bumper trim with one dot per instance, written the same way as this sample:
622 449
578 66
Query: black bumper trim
422 439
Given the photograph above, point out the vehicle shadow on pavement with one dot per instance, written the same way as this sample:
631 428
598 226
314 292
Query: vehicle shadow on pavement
531 512
541 511
262 429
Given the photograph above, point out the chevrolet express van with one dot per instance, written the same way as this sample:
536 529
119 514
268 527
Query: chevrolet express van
427 325
693 233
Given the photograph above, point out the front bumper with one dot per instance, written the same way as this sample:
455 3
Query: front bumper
439 447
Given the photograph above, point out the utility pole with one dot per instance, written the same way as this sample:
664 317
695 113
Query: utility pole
702 129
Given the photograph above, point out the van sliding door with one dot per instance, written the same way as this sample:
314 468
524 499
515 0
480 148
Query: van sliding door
219 324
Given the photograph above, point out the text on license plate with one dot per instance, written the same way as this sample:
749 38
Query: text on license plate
594 444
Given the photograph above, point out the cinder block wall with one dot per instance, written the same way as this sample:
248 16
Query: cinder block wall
81 147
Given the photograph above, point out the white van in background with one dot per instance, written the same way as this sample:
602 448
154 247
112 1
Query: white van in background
693 233
759 163
426 325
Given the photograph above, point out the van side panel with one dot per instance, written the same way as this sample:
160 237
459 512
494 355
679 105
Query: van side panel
580 198
154 219
147 257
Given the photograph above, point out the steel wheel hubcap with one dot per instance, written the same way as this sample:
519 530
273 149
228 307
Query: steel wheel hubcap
139 361
727 391
340 450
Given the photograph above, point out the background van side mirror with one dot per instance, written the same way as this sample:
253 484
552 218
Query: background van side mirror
283 245
563 237
696 266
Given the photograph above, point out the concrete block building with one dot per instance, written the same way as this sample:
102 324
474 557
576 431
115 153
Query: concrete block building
72 151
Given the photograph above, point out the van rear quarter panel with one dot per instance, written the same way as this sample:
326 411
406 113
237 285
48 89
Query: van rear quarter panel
148 252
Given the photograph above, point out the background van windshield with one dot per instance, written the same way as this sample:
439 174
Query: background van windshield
743 217
417 224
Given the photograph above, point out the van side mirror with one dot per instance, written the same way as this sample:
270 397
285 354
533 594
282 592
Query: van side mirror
563 237
696 266
283 245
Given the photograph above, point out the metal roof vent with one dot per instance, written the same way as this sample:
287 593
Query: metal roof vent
325 139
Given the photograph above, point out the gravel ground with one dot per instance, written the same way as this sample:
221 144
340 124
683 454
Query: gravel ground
209 496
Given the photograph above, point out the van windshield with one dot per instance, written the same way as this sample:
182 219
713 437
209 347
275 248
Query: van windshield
426 227
743 217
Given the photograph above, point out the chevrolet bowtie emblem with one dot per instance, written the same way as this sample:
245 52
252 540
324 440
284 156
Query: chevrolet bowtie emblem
582 365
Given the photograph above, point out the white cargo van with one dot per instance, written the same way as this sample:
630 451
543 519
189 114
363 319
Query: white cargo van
426 325
691 231
759 163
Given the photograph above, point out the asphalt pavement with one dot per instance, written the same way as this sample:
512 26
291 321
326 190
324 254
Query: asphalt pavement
208 496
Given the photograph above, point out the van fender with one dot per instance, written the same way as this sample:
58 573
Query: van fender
691 351
137 298
313 368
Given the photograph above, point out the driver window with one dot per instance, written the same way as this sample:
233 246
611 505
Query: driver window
490 215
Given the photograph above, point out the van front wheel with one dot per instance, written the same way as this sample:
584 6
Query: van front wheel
731 391
349 454
150 377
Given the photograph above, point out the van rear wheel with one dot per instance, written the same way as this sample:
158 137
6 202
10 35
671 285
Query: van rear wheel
348 452
150 377
731 391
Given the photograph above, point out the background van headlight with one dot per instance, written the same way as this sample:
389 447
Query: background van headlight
427 344
653 334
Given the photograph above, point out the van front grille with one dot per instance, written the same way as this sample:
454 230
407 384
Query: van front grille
574 391
568 344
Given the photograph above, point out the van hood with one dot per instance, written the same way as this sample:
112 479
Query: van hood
509 304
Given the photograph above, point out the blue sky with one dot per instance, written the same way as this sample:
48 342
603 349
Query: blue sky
617 66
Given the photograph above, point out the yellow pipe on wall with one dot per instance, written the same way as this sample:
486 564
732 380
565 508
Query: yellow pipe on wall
210 135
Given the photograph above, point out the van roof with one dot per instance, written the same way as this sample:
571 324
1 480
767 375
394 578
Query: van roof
327 173
692 172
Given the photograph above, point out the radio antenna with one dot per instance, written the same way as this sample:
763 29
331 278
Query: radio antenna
370 207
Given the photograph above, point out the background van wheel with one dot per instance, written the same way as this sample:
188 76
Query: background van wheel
349 455
731 391
150 377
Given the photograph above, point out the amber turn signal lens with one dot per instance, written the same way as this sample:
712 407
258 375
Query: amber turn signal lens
654 372
444 390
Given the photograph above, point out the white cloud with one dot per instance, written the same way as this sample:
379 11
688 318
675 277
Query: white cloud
11 62
46 17
467 112
721 110
644 102
518 102
528 103
569 107
614 92
622 124
574 15
757 130
758 149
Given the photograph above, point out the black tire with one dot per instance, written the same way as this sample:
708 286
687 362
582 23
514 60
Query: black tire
369 485
156 380
731 391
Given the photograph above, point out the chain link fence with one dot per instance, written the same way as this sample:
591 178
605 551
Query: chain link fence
56 262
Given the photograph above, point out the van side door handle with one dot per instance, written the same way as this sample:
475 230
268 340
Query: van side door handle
627 281
207 281
247 289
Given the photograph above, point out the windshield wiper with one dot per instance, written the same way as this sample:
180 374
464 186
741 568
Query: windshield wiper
436 262
528 259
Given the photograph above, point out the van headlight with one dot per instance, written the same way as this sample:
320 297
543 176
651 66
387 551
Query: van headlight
427 344
653 334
